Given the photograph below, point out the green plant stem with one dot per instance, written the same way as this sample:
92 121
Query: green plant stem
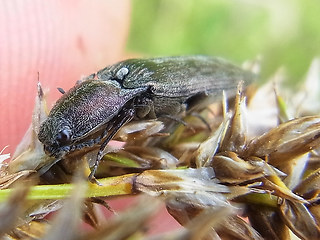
113 186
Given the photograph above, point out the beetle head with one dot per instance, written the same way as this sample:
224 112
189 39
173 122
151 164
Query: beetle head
56 135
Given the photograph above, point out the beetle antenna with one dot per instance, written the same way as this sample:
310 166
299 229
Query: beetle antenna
45 168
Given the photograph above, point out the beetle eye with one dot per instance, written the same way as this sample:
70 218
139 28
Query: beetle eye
63 137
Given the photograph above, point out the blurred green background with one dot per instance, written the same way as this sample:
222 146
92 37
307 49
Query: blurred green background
284 33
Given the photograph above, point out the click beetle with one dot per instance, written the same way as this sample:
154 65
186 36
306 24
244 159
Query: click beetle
94 110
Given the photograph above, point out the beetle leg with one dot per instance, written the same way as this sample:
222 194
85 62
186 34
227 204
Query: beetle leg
124 116
197 115
174 118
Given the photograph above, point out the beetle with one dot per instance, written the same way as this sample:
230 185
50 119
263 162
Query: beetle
94 110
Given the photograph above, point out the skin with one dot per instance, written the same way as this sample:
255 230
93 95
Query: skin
60 40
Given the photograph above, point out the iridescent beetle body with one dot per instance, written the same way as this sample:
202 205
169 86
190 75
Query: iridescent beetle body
93 111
